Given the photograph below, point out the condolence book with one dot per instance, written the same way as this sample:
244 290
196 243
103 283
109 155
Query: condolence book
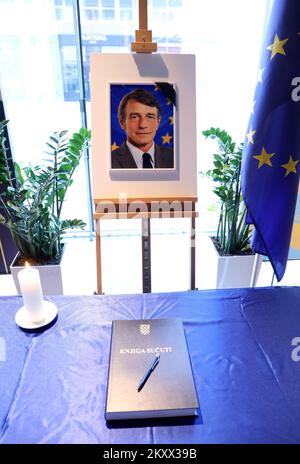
150 373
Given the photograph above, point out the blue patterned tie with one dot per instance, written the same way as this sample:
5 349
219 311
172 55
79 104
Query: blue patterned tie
147 161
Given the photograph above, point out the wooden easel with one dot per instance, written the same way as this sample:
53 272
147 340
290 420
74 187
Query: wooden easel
145 209
143 37
185 205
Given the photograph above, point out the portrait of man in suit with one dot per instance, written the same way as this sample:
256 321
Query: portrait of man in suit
139 116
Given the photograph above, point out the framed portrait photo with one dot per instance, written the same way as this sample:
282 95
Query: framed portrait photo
142 126
143 112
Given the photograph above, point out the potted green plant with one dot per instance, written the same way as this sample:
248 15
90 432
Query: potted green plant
32 203
232 241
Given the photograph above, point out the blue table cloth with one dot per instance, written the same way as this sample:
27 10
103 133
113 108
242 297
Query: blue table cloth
53 384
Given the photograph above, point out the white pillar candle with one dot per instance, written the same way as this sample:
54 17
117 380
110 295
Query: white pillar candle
32 293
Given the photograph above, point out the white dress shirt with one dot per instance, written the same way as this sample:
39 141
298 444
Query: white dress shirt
138 154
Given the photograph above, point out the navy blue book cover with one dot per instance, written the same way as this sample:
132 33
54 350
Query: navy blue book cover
169 389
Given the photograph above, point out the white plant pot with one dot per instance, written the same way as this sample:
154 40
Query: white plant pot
50 276
235 271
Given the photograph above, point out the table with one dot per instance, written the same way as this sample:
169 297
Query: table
53 384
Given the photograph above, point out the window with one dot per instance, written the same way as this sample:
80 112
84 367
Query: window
126 7
159 4
63 10
91 3
91 9
37 73
12 78
108 9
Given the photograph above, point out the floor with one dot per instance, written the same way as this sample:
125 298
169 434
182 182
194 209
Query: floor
121 265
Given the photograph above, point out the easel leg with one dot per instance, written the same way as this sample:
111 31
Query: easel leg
193 252
146 255
98 256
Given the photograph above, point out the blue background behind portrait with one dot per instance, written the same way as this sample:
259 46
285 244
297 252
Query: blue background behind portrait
118 136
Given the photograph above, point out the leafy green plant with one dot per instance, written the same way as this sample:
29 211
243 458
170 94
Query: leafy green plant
233 234
33 197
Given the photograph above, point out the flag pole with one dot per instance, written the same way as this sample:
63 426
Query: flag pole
272 282
255 270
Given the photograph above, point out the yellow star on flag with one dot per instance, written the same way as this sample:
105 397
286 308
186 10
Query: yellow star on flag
250 136
171 120
290 166
264 158
277 46
114 146
169 102
167 138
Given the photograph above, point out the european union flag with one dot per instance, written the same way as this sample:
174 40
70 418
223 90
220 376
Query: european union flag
270 163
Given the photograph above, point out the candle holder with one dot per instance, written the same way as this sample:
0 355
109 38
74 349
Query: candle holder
36 314
49 316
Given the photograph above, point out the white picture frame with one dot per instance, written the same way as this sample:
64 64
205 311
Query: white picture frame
179 181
